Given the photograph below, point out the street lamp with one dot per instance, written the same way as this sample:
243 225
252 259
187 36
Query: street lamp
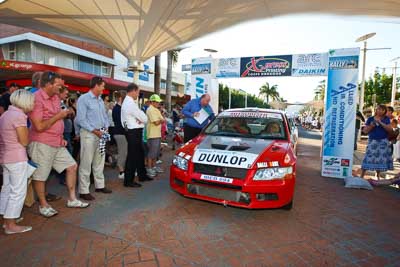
394 82
245 99
211 51
364 39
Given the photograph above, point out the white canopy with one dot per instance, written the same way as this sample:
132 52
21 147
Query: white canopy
141 29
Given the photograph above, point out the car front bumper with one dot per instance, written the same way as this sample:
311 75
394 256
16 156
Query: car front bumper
242 193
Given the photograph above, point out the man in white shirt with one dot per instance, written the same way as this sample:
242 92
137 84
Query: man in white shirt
133 120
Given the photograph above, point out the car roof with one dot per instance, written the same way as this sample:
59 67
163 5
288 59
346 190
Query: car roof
255 110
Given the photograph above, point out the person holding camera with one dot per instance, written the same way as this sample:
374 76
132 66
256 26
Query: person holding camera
378 155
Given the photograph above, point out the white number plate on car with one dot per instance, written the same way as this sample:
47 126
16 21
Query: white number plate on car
216 178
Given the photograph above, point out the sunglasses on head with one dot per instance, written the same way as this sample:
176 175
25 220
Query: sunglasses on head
51 75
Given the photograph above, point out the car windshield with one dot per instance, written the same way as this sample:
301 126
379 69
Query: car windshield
261 125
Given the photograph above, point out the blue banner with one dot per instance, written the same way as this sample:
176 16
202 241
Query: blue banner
340 113
143 76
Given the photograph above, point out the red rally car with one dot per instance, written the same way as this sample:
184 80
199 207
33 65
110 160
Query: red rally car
243 158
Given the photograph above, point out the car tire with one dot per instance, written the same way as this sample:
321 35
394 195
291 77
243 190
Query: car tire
288 206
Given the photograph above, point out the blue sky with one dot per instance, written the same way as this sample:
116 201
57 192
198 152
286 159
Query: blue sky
293 35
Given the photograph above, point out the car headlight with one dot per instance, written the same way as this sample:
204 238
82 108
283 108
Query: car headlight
180 162
272 173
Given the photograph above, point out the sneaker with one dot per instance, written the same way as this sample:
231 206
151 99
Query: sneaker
158 169
121 175
47 211
151 172
18 220
23 230
76 203
159 161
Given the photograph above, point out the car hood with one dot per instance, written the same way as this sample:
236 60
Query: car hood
235 152
239 144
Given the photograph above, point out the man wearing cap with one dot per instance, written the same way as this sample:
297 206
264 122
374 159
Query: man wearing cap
192 109
154 121
5 99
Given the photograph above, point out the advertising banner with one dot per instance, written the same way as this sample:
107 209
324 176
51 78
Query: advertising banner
143 76
228 68
310 65
266 66
203 80
340 114
186 67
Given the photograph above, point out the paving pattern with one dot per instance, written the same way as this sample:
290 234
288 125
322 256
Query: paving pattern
153 226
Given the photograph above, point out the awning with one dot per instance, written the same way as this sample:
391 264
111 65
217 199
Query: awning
21 73
141 29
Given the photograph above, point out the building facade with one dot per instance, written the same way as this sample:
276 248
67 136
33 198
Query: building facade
24 51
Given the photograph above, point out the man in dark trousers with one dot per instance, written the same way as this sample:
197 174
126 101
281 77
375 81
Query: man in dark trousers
191 111
133 120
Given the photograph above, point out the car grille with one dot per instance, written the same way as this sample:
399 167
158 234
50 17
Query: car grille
235 173
229 195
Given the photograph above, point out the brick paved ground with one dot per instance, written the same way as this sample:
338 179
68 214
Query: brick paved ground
153 226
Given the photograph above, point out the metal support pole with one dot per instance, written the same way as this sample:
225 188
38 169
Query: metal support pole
394 85
229 89
363 78
245 101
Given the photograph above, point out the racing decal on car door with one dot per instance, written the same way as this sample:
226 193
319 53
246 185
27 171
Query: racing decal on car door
232 159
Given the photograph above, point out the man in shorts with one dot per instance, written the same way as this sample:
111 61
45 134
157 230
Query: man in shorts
154 121
47 147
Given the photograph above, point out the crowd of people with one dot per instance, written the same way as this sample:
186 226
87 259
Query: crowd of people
45 129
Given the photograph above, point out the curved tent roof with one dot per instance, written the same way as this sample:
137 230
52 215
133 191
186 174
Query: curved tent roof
141 29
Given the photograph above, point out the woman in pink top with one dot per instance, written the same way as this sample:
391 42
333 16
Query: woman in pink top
13 159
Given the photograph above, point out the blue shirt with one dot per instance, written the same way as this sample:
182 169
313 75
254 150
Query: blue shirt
193 106
33 90
91 113
378 132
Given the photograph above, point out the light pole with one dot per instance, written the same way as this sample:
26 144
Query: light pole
229 90
394 82
364 39
245 97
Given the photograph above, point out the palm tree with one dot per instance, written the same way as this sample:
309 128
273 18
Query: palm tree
320 90
172 59
157 74
267 92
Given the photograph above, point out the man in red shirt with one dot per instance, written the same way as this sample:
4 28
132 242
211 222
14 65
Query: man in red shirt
47 147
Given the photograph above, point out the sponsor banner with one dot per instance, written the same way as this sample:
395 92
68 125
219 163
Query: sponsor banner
340 115
222 158
228 68
248 114
266 66
216 178
310 65
200 85
187 67
143 76
203 80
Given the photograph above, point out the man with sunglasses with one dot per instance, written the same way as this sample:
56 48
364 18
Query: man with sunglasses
92 119
47 147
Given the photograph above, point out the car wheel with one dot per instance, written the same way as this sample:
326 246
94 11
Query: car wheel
288 206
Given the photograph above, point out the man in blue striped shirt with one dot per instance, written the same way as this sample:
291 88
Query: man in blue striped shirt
92 119
192 127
